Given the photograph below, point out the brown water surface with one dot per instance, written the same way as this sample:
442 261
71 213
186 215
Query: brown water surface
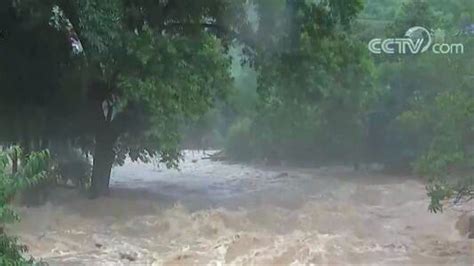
214 213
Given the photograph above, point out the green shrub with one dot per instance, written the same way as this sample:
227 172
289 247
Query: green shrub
33 169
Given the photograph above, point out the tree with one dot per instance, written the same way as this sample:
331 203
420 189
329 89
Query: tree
441 114
380 10
118 76
147 66
313 80
413 13
428 101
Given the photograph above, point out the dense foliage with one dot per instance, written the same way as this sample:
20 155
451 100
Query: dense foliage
324 98
432 99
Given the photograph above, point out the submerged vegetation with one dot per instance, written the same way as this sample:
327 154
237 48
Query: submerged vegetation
271 80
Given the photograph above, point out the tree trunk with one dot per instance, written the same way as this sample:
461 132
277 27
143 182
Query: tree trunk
105 137
14 162
104 157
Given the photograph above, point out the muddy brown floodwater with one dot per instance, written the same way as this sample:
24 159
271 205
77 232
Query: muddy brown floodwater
215 213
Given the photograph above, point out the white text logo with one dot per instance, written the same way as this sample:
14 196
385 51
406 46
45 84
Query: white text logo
417 40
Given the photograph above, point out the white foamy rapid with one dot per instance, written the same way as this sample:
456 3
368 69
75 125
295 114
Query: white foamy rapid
213 213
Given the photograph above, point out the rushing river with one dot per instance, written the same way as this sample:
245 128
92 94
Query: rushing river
215 213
